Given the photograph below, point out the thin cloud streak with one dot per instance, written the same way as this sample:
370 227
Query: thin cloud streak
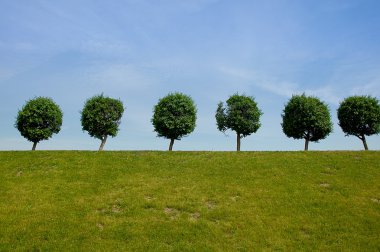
281 88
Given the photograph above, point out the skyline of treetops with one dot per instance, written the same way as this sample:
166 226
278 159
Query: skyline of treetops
174 117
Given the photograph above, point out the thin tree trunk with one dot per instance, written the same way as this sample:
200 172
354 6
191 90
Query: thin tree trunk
306 144
34 146
171 144
364 142
103 143
238 141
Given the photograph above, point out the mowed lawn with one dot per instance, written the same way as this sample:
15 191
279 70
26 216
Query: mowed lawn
189 201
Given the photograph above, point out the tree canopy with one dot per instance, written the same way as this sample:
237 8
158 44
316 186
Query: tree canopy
39 119
241 114
101 117
174 117
360 116
306 117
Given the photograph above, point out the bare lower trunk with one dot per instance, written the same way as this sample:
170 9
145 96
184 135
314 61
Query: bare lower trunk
34 145
171 144
306 144
364 142
238 142
104 139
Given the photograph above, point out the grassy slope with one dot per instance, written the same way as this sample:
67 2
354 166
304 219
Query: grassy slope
190 200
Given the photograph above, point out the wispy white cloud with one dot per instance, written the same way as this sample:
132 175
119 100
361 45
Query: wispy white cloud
119 77
21 46
174 6
370 88
337 5
194 5
6 73
280 87
104 46
327 93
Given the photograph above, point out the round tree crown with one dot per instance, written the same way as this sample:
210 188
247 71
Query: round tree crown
306 117
174 116
359 116
39 119
101 116
241 115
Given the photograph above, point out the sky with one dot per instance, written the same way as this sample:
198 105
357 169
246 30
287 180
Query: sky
139 51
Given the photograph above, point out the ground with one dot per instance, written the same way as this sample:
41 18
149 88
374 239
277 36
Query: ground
190 201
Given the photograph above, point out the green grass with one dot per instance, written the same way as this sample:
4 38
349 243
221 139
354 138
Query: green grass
189 201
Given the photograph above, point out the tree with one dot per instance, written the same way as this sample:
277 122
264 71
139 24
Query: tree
174 117
360 116
101 117
39 119
240 115
306 117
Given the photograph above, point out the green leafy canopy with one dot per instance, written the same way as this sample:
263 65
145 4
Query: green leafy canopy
101 116
39 119
241 115
174 116
306 117
359 116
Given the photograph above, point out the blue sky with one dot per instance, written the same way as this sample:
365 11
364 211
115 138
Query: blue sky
139 51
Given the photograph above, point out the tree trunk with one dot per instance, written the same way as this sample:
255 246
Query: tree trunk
34 146
103 143
171 144
364 142
306 144
238 141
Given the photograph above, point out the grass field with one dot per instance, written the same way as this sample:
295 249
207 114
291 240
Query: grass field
190 201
